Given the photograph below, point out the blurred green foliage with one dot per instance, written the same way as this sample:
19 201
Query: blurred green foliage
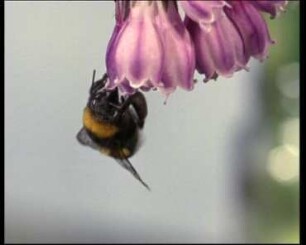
275 204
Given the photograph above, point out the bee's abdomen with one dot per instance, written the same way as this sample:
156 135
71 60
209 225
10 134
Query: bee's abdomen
99 129
119 147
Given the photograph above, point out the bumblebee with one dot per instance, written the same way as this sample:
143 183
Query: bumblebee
112 123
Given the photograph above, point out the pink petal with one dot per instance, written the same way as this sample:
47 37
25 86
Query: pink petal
252 28
137 53
203 12
179 56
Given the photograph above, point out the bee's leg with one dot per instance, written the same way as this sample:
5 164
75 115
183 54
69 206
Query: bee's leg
113 97
139 104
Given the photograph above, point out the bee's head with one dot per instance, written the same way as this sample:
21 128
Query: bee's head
101 102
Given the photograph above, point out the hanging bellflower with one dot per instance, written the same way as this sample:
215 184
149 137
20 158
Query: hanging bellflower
153 47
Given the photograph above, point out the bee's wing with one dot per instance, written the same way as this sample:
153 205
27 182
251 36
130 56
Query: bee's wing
85 139
125 163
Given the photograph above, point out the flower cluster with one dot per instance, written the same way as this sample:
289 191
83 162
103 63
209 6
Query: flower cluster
152 47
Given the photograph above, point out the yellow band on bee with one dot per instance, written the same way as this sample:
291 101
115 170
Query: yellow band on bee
105 151
126 152
99 129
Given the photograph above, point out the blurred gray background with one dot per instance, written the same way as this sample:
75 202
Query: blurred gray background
57 191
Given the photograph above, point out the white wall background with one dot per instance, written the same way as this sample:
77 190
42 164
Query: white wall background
58 191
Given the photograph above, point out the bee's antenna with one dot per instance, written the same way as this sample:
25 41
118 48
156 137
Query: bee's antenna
93 76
